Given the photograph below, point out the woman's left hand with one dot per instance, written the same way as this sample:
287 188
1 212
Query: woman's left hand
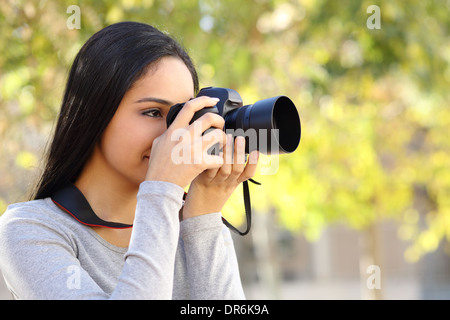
210 190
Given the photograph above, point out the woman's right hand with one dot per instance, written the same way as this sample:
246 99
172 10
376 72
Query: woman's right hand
180 153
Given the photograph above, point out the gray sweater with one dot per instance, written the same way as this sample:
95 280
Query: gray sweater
47 254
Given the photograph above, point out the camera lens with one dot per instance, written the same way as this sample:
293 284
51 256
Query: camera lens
287 121
274 123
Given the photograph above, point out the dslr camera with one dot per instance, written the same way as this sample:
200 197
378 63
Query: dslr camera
271 126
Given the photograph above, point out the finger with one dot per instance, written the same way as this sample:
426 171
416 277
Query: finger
212 162
228 152
190 108
225 170
250 168
238 157
211 173
215 138
208 120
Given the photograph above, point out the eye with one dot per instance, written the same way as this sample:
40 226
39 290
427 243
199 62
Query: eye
153 113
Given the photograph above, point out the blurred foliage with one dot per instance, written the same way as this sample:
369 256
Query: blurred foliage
374 103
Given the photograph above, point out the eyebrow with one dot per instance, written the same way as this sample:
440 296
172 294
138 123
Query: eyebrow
157 100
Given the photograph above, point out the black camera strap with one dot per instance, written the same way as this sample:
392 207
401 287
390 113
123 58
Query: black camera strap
248 209
71 200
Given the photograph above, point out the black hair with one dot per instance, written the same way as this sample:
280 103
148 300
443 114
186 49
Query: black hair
105 68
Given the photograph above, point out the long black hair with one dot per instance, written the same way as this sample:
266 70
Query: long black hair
104 69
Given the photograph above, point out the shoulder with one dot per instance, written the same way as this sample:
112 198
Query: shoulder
33 219
36 244
35 211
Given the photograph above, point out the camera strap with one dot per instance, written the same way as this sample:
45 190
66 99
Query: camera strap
248 209
71 200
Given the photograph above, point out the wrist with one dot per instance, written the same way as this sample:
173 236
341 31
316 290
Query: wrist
200 201
154 176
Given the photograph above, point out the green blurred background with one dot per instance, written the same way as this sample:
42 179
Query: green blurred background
370 182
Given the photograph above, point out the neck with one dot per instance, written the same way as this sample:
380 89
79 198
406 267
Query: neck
111 198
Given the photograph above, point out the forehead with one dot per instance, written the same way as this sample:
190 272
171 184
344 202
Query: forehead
168 79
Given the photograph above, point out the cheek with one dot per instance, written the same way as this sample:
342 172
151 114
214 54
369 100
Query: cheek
125 145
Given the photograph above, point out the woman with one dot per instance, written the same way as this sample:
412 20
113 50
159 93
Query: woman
111 144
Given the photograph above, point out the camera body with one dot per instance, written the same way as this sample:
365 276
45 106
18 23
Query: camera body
270 126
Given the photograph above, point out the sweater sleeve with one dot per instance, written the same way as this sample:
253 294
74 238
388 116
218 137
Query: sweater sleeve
212 268
148 272
37 258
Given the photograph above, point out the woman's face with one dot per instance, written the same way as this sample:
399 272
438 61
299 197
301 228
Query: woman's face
126 144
